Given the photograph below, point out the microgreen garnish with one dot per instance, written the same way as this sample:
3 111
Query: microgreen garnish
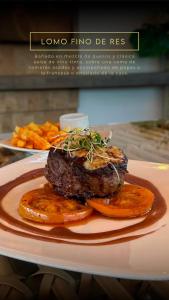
86 139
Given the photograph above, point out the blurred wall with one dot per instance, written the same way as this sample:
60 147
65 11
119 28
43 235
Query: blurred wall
21 107
120 105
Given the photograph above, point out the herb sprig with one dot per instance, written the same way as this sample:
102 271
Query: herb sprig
86 139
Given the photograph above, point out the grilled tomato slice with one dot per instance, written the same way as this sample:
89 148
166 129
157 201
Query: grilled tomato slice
131 201
45 207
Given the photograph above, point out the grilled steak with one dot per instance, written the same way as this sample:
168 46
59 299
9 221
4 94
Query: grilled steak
73 175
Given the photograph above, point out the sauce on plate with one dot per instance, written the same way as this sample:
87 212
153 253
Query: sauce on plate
63 234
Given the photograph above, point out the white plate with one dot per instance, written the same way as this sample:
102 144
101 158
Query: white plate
6 143
144 258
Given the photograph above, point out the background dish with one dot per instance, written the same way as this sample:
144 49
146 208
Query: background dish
5 143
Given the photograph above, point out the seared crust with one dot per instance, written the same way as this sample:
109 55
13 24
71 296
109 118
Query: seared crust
71 178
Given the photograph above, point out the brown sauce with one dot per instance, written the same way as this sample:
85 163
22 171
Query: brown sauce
58 234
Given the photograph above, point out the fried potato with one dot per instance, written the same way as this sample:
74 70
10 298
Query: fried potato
38 136
38 141
34 127
29 145
20 143
23 133
14 140
48 127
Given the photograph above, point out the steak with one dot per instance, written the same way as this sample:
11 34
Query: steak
73 175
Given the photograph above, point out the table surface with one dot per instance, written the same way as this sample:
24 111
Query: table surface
142 141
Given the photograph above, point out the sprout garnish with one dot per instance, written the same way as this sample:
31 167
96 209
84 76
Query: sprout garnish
87 139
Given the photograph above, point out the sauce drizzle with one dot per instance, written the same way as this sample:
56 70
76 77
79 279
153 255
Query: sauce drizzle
62 234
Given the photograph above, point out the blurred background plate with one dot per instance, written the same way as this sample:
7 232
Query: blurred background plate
6 143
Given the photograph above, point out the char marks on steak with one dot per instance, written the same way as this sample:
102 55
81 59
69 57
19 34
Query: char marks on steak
72 175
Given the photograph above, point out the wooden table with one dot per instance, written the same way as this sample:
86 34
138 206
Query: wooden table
142 141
